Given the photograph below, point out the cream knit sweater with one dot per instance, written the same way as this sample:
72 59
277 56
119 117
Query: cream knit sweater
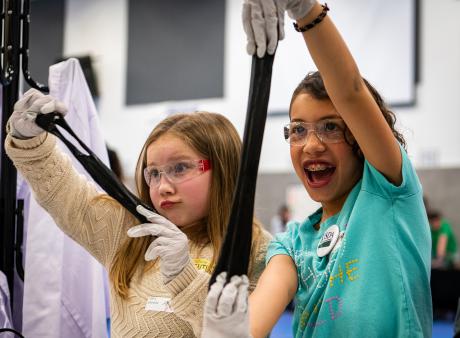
99 224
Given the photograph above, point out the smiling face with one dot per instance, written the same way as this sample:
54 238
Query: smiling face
327 170
183 203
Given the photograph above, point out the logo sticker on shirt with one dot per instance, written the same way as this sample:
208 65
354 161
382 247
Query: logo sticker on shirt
339 241
159 304
328 241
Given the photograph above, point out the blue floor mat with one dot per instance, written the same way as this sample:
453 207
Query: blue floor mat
282 329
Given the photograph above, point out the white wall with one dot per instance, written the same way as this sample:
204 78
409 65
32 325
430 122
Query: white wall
431 127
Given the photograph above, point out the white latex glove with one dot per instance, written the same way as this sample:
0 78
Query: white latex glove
226 310
22 121
263 22
169 243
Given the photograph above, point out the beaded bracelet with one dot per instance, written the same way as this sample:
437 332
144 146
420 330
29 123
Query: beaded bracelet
312 24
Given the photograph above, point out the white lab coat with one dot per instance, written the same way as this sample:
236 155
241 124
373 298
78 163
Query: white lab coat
64 287
5 310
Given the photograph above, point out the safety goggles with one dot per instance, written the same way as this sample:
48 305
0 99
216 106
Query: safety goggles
327 131
176 172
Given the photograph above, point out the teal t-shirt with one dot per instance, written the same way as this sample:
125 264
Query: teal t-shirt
375 282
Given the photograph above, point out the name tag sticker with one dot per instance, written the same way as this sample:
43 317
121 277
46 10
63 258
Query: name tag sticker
159 304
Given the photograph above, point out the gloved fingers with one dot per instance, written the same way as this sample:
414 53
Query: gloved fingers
258 26
153 217
214 294
270 14
54 105
227 300
153 251
280 11
162 247
299 9
241 304
164 226
222 277
141 230
27 100
21 127
250 45
144 211
156 218
37 105
157 230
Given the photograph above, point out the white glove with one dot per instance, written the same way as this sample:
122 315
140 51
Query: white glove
22 121
226 310
170 244
263 22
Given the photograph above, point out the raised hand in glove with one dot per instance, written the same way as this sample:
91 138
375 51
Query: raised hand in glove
226 309
22 121
168 243
263 22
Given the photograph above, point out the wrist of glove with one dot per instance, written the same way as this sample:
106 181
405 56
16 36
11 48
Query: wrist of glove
263 22
226 310
298 9
22 122
169 244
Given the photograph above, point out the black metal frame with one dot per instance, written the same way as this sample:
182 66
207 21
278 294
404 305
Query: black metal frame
11 226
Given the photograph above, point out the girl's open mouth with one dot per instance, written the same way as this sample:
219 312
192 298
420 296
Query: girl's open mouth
319 174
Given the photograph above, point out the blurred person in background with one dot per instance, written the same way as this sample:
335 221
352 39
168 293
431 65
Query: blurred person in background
444 244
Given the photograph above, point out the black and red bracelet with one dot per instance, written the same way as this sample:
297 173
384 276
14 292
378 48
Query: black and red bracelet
312 24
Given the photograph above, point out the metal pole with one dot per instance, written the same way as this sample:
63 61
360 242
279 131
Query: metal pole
10 80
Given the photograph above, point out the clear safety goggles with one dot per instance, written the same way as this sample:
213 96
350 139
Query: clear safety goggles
327 131
176 172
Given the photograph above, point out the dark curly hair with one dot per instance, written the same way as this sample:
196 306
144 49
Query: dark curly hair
313 84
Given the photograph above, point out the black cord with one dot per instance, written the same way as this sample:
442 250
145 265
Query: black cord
5 329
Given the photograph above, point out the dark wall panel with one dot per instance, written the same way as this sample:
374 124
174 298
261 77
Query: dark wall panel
46 36
175 50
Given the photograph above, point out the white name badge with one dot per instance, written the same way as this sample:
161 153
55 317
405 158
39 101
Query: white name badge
328 241
158 304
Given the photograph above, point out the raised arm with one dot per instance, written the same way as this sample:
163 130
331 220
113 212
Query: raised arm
350 96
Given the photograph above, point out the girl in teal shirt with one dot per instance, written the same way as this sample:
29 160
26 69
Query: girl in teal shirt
360 265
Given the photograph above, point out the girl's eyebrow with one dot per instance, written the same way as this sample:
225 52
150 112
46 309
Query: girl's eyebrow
332 114
327 117
173 158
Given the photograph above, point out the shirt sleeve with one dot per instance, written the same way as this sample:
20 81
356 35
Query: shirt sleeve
282 243
376 183
91 218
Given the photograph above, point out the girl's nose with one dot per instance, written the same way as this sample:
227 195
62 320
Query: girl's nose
313 144
164 185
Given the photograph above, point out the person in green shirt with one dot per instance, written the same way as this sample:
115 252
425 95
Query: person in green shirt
444 243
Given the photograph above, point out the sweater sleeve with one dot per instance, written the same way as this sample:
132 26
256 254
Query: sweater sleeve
190 288
91 218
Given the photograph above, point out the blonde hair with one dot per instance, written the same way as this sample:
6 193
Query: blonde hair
215 138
